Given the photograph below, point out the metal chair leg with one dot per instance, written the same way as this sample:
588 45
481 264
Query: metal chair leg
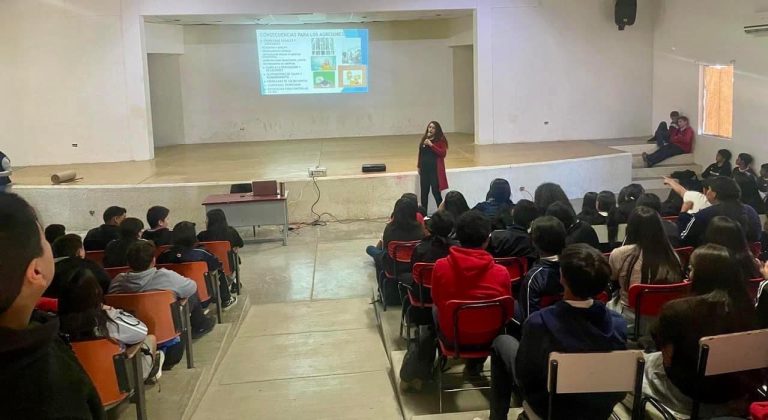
139 398
186 335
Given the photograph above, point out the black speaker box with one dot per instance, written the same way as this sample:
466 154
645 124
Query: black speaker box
625 12
374 167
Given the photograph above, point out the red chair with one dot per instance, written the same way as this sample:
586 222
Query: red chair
756 248
685 256
48 305
95 256
753 287
517 266
160 249
399 252
603 297
419 294
475 325
672 219
112 272
647 299
228 257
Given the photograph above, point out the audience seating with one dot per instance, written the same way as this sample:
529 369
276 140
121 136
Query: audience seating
400 253
112 272
160 249
753 287
672 219
517 268
721 354
95 256
207 284
604 297
586 373
475 325
107 366
420 298
228 257
647 299
756 248
685 256
164 324
48 305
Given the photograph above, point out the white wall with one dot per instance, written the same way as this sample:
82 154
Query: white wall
165 94
463 89
693 32
164 39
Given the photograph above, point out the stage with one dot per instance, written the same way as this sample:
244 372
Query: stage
180 177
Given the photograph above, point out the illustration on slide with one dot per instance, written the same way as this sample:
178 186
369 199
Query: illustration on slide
352 76
323 46
325 79
324 63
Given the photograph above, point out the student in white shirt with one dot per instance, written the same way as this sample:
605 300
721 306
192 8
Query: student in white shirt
693 201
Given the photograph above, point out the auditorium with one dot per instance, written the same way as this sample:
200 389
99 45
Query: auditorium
384 209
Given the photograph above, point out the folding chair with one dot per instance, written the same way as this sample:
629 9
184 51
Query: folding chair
475 325
112 272
207 283
47 304
516 266
647 299
95 256
685 256
399 252
754 287
420 298
166 317
160 249
672 219
228 257
721 354
586 373
107 366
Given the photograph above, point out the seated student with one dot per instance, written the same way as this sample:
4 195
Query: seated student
144 277
186 249
577 324
83 316
40 377
606 201
680 142
217 229
158 232
693 201
762 183
53 232
762 298
625 203
589 212
719 304
748 181
663 132
130 230
454 203
576 231
726 232
421 212
497 199
543 278
514 241
549 193
97 238
723 193
653 202
647 257
435 245
70 257
721 167
402 227
5 169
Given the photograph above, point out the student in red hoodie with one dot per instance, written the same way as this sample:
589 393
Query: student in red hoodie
680 142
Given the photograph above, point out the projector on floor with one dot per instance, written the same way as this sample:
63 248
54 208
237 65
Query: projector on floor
317 172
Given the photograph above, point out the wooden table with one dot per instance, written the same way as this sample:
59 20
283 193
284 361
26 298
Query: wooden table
252 210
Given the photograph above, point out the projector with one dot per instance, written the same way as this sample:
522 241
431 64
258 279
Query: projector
317 172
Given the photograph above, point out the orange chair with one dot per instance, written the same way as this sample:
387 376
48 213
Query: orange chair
647 299
160 249
95 256
419 295
197 271
112 272
107 366
228 257
166 317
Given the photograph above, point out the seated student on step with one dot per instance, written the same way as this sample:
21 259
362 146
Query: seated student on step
217 229
589 212
541 285
158 232
497 199
84 316
680 142
576 231
40 377
69 257
719 304
97 238
130 230
576 324
186 249
663 132
721 167
514 241
653 202
145 277
748 180
53 232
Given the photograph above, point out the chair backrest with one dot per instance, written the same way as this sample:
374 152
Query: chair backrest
401 251
158 309
754 287
477 323
549 300
516 266
670 218
756 248
581 373
196 271
95 256
685 256
647 299
737 352
240 188
422 274
160 249
100 358
47 304
112 272
223 251
603 297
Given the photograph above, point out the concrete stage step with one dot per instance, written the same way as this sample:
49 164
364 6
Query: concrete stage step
686 159
663 170
655 183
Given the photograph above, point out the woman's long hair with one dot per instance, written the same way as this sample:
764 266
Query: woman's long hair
713 269
728 233
456 204
589 205
548 193
439 135
217 225
404 215
80 306
646 231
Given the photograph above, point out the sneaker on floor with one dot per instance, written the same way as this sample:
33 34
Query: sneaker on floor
229 303
156 372
204 329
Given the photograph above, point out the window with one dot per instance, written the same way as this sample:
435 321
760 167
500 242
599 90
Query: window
717 101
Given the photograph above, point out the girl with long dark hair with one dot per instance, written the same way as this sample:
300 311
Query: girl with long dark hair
217 229
589 212
724 231
432 150
549 193
455 203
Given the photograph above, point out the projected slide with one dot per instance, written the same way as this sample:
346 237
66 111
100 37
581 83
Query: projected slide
313 61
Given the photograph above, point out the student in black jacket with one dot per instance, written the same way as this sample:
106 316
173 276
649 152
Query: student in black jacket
158 232
577 324
115 254
40 377
497 199
70 258
721 167
97 238
589 212
744 175
606 201
514 241
435 246
217 229
653 202
576 231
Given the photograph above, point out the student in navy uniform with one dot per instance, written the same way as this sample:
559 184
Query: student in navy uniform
497 199
5 166
721 167
97 238
115 254
158 232
514 241
745 176
69 257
